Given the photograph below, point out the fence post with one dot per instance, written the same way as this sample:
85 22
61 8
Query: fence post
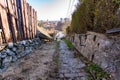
30 22
1 41
4 21
33 23
12 23
36 23
26 18
20 22
16 19
23 17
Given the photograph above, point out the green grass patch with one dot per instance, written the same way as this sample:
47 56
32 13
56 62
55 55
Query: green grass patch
69 44
93 70
96 73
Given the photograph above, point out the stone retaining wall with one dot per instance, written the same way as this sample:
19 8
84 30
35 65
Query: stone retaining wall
101 50
15 51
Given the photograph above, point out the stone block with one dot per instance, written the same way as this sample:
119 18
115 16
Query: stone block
3 55
20 49
10 45
14 58
7 60
9 52
24 42
14 49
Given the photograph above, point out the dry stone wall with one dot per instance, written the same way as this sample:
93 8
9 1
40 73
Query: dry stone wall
102 50
15 51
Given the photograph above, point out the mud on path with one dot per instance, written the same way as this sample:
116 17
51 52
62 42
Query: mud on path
35 66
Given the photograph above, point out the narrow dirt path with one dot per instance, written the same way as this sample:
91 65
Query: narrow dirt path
35 66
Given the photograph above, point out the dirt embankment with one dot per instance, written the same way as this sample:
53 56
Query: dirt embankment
35 66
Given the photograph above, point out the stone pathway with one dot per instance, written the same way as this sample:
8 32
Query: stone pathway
70 68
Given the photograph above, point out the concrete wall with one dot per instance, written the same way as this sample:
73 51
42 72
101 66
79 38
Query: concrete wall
101 50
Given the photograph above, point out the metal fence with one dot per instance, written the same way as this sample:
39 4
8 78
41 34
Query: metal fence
18 21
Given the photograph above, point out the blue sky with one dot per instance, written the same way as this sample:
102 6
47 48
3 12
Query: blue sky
52 9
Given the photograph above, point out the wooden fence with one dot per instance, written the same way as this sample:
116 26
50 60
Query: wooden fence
18 21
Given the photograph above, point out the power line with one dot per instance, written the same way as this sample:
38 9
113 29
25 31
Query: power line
71 4
68 8
71 7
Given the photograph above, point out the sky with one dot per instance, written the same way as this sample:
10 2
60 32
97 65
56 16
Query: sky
52 9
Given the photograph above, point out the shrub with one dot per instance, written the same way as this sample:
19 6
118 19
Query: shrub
95 15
